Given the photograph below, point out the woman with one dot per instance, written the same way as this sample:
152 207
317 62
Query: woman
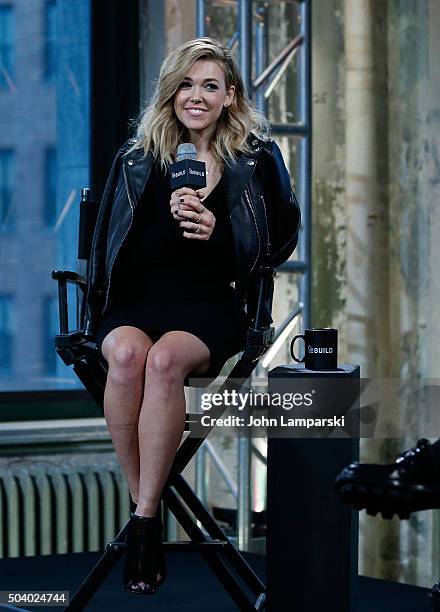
160 301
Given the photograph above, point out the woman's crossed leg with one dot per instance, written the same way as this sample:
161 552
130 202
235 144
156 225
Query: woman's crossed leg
162 418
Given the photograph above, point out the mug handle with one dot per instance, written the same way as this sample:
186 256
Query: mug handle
291 348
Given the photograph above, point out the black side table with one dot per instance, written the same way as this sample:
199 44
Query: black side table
312 537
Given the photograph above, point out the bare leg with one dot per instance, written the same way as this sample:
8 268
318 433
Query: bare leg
125 349
162 418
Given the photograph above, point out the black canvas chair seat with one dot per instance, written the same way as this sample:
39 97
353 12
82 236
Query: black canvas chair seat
237 577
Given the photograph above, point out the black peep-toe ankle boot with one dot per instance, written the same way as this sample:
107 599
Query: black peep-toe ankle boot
145 557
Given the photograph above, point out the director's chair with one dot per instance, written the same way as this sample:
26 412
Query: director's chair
237 577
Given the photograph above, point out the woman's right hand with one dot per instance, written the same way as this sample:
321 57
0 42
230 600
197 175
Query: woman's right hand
196 221
191 201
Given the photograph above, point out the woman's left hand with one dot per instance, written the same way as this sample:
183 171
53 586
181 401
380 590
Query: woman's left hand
196 220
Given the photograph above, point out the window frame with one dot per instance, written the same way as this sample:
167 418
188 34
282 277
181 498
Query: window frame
8 45
17 406
49 61
6 302
7 155
49 208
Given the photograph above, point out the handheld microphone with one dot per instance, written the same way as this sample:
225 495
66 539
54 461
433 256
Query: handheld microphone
187 171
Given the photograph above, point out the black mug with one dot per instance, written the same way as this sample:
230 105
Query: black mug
321 348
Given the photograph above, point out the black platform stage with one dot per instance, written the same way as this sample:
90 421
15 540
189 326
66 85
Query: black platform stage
190 587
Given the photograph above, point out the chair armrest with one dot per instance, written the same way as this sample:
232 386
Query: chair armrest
68 276
261 338
260 297
63 277
260 334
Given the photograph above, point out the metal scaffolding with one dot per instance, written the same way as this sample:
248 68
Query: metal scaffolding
251 36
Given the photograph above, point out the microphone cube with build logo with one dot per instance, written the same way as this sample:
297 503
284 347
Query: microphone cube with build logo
188 173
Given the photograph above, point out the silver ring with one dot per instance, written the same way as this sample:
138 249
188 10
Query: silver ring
202 211
197 230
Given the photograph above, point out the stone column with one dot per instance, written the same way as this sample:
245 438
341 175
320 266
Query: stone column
366 300
329 223
414 190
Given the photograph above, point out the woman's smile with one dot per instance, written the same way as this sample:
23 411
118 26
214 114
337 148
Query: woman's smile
195 112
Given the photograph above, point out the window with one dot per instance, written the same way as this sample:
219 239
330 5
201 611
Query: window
6 335
6 169
50 40
39 179
50 184
6 46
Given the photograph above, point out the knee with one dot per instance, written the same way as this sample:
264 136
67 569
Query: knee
162 363
126 361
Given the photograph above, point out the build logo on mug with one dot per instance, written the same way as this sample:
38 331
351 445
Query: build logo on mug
321 348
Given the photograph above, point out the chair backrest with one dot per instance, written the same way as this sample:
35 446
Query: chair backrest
88 214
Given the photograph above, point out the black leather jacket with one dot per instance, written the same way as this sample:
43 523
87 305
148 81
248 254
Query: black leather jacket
264 214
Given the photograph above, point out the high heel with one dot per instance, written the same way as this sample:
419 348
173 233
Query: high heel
144 555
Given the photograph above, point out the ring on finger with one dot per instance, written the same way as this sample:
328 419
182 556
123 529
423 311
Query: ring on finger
202 210
197 230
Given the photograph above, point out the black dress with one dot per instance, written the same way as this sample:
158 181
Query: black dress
162 281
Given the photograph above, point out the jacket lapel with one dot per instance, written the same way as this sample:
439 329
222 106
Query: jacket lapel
236 177
138 170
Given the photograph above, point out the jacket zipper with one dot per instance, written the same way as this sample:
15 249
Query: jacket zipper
248 200
124 237
267 226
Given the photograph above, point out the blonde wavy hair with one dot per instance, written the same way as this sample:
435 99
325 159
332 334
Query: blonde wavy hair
160 131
